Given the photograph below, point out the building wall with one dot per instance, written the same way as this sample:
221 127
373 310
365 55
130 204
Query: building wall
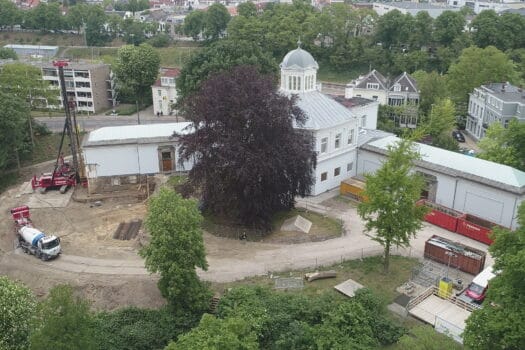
100 87
374 95
367 115
162 103
131 159
464 195
334 157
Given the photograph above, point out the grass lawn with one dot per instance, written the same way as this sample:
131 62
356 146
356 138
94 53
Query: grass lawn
343 77
46 148
368 272
175 56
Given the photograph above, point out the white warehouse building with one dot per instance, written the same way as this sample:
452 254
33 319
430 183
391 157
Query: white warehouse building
118 154
470 185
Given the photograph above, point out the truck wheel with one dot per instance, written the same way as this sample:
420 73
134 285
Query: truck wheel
43 257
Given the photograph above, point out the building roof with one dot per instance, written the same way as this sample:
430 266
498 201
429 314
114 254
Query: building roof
169 72
71 65
299 59
31 47
409 5
407 83
145 133
457 164
506 92
373 77
353 101
322 111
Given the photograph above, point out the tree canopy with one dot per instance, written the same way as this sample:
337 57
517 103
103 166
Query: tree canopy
137 68
222 56
504 145
175 250
390 211
13 121
500 324
18 307
250 161
64 322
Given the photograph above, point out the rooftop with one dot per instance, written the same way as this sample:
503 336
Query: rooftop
299 59
506 92
322 111
135 133
31 47
457 164
71 65
418 5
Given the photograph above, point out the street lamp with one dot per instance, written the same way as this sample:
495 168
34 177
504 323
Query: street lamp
450 256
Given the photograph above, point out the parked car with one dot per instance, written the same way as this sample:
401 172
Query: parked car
478 288
458 136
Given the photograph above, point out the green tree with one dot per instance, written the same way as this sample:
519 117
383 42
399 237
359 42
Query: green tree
13 118
133 32
422 30
441 119
194 24
426 338
218 334
9 14
475 67
77 15
500 324
64 322
448 26
217 18
137 68
6 53
25 81
392 29
485 29
391 213
96 34
504 145
247 9
222 56
176 249
18 305
432 87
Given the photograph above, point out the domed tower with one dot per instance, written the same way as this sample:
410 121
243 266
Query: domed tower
298 71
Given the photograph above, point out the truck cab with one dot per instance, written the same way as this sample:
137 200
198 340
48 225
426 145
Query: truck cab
49 246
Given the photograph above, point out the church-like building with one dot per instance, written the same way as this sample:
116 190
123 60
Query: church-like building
335 128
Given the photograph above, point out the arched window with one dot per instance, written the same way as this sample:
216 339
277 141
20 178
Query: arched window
298 83
289 83
294 83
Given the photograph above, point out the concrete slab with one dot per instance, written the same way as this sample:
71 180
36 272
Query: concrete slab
50 199
348 287
297 223
434 306
25 188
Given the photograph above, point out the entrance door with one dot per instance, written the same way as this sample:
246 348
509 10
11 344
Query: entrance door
167 161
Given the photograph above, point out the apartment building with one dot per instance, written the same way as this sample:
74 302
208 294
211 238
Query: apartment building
494 103
90 86
164 91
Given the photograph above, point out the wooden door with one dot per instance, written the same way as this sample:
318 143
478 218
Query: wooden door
167 161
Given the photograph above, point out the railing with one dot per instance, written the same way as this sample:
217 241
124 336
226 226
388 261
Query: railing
433 290
426 293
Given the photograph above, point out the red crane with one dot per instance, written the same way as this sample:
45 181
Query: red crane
64 174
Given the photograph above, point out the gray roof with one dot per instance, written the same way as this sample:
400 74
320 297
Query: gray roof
372 77
146 133
408 84
322 111
299 59
72 65
460 165
515 11
32 47
506 92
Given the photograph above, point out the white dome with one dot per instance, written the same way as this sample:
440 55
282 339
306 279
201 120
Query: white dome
299 59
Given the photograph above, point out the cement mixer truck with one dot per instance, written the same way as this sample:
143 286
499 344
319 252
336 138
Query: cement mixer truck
32 240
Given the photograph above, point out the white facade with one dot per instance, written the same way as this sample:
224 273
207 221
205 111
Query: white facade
164 92
133 150
413 8
470 185
334 127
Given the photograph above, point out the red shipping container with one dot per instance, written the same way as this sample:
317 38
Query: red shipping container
475 228
441 216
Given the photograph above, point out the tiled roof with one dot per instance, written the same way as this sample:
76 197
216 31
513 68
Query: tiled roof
322 111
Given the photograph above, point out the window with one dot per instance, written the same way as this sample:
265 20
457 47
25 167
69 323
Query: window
337 171
397 87
363 121
374 97
324 176
351 137
337 143
372 86
298 83
324 144
349 166
289 83
159 92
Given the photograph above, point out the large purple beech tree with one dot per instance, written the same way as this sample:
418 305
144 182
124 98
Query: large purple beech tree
250 161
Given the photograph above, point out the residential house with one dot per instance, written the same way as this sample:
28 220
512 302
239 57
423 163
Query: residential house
401 90
164 91
494 103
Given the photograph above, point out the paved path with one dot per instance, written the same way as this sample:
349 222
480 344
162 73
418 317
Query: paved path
231 260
